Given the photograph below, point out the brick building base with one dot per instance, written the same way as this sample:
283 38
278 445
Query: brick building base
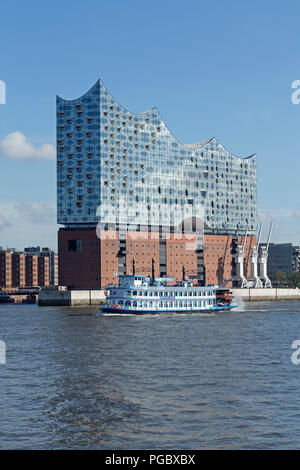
92 260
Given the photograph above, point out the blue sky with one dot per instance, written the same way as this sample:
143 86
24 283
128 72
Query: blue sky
213 68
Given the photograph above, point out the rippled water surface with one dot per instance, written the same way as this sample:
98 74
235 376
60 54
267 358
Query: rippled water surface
74 379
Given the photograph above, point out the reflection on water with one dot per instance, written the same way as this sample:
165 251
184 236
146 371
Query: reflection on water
76 379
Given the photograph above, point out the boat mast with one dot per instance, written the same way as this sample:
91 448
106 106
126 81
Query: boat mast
153 271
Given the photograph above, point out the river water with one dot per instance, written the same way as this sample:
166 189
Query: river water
77 380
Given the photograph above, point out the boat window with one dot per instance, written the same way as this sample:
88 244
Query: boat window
134 292
175 304
166 304
127 303
185 294
166 294
195 303
150 303
160 304
134 303
140 293
180 293
195 293
171 304
150 293
180 304
121 302
185 304
161 294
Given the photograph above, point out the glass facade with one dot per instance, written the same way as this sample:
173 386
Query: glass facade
106 154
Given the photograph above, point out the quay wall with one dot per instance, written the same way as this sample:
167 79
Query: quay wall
255 295
71 298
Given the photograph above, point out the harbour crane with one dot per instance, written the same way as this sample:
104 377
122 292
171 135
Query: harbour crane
257 284
262 261
240 262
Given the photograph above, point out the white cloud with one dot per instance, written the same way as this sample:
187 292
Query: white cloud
37 212
3 222
286 225
16 146
28 224
297 213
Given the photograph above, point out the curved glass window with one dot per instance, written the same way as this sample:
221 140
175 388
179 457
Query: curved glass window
92 125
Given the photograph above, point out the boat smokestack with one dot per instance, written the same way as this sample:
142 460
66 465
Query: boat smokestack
153 270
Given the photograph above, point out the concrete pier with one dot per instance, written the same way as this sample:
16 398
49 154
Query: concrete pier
255 295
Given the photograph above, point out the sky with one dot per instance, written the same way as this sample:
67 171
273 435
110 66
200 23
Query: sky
213 68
